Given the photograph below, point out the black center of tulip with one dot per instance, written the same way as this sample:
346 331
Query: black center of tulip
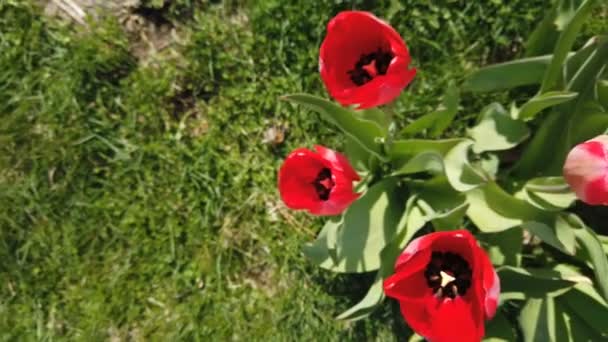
369 66
323 184
448 274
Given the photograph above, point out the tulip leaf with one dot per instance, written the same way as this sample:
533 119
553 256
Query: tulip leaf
537 320
565 12
411 221
577 59
520 72
577 327
322 251
496 130
595 254
368 304
504 248
539 157
370 223
543 38
586 76
492 209
602 93
589 124
539 102
439 202
533 282
549 193
499 329
560 235
439 120
459 171
365 132
604 241
417 155
585 302
361 159
424 162
449 219
564 45
376 115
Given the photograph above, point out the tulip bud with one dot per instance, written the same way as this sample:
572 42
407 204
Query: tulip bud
586 170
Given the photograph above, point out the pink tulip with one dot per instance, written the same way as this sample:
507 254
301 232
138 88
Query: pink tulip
586 170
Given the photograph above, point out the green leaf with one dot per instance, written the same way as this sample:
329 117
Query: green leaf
504 248
437 192
449 219
533 282
439 120
543 38
368 304
564 45
549 193
499 329
361 159
439 202
578 330
416 155
593 247
561 322
459 171
589 72
604 241
492 209
376 115
520 72
322 251
541 101
411 221
370 224
565 13
496 130
588 124
585 302
541 154
537 320
602 93
577 59
549 235
423 162
365 132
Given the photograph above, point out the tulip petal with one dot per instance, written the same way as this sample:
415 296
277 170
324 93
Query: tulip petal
299 176
437 317
408 281
340 52
338 162
453 322
586 171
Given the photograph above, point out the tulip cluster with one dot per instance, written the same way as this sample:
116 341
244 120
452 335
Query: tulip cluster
444 281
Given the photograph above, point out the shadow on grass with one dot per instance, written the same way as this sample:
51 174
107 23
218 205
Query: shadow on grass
349 289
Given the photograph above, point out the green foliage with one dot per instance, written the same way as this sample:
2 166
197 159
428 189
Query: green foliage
138 202
448 180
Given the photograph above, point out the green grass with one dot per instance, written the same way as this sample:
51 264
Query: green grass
137 199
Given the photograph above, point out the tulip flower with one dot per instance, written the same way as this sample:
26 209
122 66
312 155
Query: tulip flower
446 287
363 61
320 182
586 170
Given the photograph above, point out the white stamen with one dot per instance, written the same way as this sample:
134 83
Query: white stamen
445 278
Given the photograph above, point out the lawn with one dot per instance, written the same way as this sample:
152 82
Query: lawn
139 152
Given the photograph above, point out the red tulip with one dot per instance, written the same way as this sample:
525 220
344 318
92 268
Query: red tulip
363 61
586 170
446 287
320 182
